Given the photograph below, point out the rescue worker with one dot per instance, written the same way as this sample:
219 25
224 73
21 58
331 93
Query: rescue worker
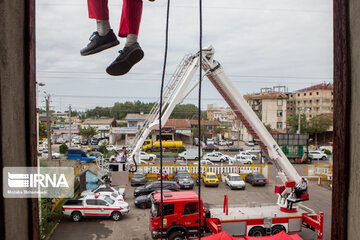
115 157
166 176
123 155
301 188
105 38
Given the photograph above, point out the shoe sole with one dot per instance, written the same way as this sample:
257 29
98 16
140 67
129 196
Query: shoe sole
121 68
101 48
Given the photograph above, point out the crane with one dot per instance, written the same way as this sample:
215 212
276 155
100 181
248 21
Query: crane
178 89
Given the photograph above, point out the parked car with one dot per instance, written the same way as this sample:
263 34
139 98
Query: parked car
323 148
96 154
180 162
184 179
94 141
190 154
247 155
256 179
210 148
111 148
216 157
222 143
210 179
138 179
205 162
76 146
60 141
84 142
234 181
144 201
43 147
90 206
254 150
249 143
314 155
210 141
103 188
94 147
80 154
147 156
234 149
76 141
45 154
170 185
234 138
238 159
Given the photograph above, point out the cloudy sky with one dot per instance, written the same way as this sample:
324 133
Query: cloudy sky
260 43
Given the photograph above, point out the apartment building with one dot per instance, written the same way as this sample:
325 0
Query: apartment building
221 114
311 101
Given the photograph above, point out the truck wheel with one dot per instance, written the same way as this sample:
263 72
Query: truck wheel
257 232
309 161
177 236
76 216
196 159
150 158
276 229
249 163
116 216
323 158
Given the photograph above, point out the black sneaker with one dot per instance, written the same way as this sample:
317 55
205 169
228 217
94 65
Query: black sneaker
99 43
129 56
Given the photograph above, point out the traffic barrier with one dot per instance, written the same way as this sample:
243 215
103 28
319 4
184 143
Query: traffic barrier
151 170
322 171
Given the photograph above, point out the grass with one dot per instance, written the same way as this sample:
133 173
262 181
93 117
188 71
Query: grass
165 153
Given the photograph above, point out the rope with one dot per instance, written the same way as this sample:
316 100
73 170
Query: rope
160 116
199 117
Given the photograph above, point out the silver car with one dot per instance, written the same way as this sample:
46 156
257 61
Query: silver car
234 181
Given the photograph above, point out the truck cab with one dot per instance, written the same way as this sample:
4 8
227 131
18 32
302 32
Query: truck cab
181 217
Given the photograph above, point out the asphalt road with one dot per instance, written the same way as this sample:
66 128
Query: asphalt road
135 225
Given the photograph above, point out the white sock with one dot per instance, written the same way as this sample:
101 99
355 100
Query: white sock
131 39
103 27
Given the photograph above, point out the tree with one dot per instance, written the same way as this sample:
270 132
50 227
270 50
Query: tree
292 123
63 149
268 127
319 124
87 132
42 130
204 132
103 149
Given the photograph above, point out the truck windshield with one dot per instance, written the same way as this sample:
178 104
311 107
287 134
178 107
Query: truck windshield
154 208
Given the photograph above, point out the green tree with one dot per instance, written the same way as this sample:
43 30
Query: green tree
268 127
319 124
103 149
63 149
87 132
292 123
204 132
42 130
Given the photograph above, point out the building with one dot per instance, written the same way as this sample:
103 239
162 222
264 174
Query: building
136 119
223 115
311 101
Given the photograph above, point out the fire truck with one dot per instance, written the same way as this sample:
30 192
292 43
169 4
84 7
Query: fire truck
180 222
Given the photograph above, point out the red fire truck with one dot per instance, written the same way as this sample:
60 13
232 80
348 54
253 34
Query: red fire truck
181 218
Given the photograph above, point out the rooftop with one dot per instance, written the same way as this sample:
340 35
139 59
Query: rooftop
266 95
177 196
321 86
136 116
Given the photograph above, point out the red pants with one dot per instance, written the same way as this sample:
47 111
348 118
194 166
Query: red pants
130 17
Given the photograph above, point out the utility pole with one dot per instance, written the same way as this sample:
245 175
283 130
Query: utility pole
47 99
70 138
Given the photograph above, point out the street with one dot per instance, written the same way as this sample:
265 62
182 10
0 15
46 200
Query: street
135 225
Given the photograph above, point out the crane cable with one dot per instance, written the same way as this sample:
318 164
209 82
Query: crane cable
199 117
160 116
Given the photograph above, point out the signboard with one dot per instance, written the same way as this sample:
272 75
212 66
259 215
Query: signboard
186 132
123 130
291 139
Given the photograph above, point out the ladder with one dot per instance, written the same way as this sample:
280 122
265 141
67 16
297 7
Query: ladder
170 89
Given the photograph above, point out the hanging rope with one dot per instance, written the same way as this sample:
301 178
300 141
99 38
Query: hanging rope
199 116
160 116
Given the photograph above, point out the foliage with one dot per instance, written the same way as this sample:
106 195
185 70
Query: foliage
103 149
292 123
42 130
268 127
319 124
48 218
327 152
87 132
122 124
220 129
63 149
181 149
187 111
204 132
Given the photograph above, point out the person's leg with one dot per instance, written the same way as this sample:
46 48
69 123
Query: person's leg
104 37
129 28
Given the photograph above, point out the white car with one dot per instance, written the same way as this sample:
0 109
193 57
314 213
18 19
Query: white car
110 148
205 162
254 150
45 154
248 143
317 155
210 141
234 181
216 157
103 188
60 141
75 146
43 147
247 155
234 138
222 143
95 205
147 156
238 159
